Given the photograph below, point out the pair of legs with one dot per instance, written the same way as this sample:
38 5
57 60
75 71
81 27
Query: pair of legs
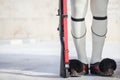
98 29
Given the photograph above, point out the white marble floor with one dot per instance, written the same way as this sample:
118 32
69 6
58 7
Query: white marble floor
41 61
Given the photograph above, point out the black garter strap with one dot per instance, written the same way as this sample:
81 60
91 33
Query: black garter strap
77 19
100 18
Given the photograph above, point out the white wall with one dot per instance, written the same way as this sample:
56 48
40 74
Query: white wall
36 19
28 19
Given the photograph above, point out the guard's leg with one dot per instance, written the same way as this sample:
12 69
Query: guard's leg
99 28
78 13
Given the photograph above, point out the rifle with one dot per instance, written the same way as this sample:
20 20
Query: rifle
63 33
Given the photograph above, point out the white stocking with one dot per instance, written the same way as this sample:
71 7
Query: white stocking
99 28
78 13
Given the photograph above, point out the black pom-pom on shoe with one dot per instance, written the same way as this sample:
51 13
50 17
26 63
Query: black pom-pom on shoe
77 68
108 66
104 68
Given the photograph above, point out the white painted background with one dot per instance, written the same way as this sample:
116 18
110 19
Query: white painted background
36 19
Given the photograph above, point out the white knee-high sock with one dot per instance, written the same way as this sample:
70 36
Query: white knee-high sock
99 28
78 12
